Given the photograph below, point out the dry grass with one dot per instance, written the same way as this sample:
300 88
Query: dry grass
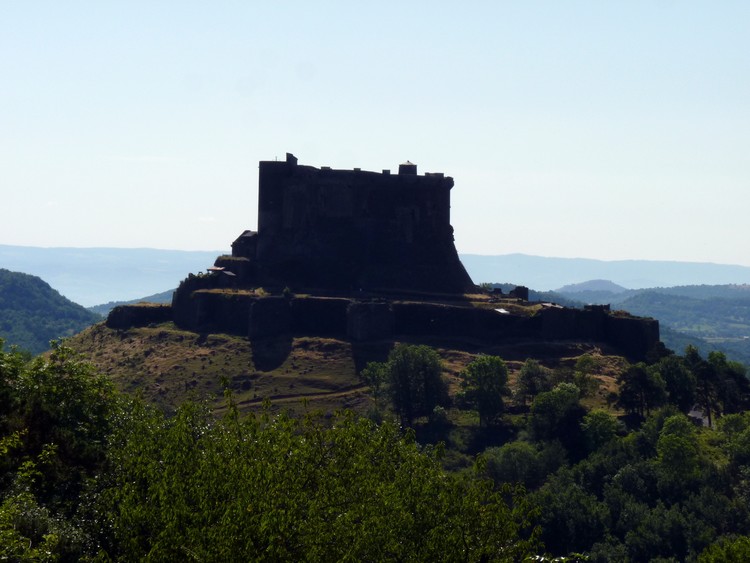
167 365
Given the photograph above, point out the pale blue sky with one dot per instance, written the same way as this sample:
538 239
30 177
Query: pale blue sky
597 129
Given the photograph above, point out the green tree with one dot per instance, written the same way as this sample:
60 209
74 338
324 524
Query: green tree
641 389
533 379
522 462
411 378
733 384
573 519
298 490
583 375
679 381
727 550
375 376
599 427
515 462
678 454
556 415
708 383
416 381
53 440
736 431
483 384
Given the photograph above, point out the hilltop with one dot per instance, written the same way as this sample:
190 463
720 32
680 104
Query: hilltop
344 264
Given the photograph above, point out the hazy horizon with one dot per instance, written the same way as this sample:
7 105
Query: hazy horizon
95 275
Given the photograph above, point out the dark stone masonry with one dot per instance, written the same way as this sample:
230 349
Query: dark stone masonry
351 230
365 256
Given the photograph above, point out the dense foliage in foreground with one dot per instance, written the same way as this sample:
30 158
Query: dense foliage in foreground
86 474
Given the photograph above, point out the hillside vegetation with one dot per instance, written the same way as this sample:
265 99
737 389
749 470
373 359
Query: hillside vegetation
557 454
32 313
712 317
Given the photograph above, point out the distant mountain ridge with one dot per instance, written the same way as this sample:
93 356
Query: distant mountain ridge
593 285
93 276
545 274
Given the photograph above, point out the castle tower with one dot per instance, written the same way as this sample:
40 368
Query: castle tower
354 229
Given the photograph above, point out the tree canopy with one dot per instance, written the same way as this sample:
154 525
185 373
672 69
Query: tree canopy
484 382
411 378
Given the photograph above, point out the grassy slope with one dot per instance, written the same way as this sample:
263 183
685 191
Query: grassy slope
167 365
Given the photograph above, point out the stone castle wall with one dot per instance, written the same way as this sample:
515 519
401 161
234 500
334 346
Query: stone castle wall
143 314
246 314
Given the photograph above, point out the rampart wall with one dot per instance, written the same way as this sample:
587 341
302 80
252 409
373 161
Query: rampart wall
127 316
247 314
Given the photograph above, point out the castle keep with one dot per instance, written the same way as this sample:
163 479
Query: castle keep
351 230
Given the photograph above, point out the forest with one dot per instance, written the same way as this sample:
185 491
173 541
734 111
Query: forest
88 473
32 313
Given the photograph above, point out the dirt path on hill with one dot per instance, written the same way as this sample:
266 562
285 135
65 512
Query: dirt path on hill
288 398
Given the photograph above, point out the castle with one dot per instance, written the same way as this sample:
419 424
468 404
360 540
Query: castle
366 256
350 230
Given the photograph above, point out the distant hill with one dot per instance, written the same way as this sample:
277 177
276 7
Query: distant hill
593 285
105 308
546 274
711 317
32 313
91 276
